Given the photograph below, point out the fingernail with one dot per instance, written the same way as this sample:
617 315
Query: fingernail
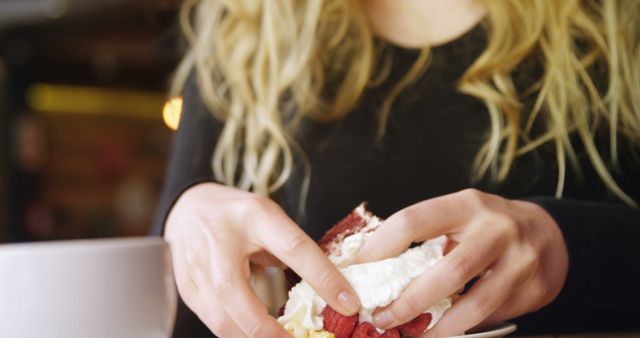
349 301
383 319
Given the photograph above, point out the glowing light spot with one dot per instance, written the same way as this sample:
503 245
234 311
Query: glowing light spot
64 99
171 113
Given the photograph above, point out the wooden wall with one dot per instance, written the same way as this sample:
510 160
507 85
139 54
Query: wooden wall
99 166
104 170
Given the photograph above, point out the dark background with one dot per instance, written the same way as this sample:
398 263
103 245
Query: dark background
82 138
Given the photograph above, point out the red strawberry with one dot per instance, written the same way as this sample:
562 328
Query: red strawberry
417 326
341 326
367 330
391 333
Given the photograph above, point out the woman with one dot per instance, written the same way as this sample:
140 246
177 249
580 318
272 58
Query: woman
298 110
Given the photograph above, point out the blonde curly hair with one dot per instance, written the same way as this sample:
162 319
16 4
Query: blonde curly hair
263 65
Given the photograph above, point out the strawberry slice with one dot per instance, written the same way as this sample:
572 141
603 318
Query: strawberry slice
367 330
391 333
417 326
341 326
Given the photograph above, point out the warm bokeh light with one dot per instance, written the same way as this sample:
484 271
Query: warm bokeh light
87 100
171 113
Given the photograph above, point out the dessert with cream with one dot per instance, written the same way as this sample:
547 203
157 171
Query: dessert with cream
376 283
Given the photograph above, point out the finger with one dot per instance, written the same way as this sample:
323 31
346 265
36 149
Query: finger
477 251
266 259
187 277
518 303
197 294
482 300
293 247
217 320
419 222
211 314
449 246
534 292
244 307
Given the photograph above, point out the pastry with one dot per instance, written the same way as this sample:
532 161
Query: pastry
376 283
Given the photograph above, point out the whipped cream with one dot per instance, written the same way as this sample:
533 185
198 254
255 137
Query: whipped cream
377 283
303 308
349 248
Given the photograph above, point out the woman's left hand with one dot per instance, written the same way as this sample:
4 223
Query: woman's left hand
514 246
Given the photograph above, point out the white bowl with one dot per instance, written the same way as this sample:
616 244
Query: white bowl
87 289
497 332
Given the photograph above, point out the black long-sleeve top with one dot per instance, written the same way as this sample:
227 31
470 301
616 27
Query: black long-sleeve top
432 137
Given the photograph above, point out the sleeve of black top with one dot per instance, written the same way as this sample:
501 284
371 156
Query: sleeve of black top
601 291
191 152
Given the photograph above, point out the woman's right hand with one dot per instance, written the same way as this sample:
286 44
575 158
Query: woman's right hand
215 232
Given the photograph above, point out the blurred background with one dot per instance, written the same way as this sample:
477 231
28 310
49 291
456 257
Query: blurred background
84 124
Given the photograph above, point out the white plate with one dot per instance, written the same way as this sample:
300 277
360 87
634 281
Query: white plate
500 331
